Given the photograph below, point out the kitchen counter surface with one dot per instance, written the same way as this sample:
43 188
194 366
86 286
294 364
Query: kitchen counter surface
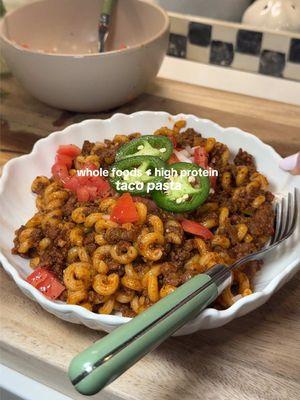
254 357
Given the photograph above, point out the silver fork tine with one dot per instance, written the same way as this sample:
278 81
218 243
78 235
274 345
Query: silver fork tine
294 216
288 215
279 220
276 222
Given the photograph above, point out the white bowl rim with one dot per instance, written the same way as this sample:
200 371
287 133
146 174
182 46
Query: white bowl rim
130 49
115 320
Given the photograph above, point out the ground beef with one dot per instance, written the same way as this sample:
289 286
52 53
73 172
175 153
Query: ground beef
87 148
106 155
54 259
242 249
244 158
216 161
181 253
189 138
69 206
114 235
262 221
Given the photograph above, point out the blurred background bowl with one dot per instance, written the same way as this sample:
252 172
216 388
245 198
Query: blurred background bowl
51 46
228 10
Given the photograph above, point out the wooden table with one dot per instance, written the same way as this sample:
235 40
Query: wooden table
254 357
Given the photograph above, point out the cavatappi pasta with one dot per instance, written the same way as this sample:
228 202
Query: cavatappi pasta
108 267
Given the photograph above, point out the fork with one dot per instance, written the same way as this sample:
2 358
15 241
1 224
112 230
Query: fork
100 364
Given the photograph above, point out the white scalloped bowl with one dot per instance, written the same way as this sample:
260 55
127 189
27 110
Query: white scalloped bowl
17 206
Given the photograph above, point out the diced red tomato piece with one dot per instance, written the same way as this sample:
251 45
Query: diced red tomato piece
46 283
196 229
82 193
63 159
69 150
92 192
124 211
59 171
72 183
173 159
201 157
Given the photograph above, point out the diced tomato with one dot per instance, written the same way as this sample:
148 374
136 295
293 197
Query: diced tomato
93 192
196 229
124 211
59 171
82 193
63 159
201 157
69 150
46 283
173 159
72 183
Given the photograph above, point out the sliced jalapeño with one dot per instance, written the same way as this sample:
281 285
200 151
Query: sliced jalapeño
188 188
149 145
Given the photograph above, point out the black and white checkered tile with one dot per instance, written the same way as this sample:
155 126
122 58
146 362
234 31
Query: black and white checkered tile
269 53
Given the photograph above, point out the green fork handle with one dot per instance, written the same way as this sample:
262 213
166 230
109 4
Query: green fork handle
108 6
100 364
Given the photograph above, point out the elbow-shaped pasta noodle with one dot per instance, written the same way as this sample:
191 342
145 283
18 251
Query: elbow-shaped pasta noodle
44 243
166 290
226 298
79 215
72 254
222 241
76 236
34 221
179 125
106 285
99 239
173 232
156 224
141 209
121 139
207 207
124 297
77 297
77 276
243 283
98 258
34 262
241 176
106 205
91 219
201 246
251 186
83 255
256 176
39 184
210 144
25 240
138 304
154 271
39 202
52 218
107 307
258 201
224 213
123 258
248 238
225 156
152 288
56 200
209 259
132 283
242 230
146 243
195 264
209 223
104 224
226 180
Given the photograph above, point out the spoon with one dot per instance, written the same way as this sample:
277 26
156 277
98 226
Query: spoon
104 23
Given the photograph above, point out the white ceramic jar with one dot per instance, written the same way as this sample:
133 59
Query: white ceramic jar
281 15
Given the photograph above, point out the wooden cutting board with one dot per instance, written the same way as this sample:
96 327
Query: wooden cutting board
254 357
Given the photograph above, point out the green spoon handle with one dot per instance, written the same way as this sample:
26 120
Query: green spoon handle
105 360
